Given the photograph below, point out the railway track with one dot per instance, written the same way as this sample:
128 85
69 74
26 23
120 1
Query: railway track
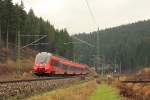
136 81
35 79
14 87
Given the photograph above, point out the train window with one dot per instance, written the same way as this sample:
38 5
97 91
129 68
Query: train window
64 66
55 63
61 65
73 68
41 58
76 68
79 69
69 68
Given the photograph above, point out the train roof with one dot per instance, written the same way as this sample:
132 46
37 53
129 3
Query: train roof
45 53
69 62
64 60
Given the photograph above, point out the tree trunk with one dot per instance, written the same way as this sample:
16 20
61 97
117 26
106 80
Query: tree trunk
0 35
7 39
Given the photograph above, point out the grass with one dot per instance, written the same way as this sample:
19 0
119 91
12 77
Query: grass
104 92
74 92
83 91
37 91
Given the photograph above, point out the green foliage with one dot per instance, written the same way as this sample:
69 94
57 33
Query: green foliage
104 92
14 19
126 45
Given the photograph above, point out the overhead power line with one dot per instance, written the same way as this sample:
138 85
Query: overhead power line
98 39
91 13
34 41
94 20
85 42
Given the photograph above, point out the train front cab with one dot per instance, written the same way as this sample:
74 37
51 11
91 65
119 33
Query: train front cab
42 63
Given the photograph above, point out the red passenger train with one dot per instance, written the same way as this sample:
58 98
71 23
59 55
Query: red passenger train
53 64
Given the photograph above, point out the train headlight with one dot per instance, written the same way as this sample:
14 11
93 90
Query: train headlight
37 64
41 64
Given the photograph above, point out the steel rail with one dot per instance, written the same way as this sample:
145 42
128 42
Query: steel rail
134 81
34 79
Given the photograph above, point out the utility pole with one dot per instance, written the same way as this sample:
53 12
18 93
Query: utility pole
7 40
0 33
120 67
102 64
98 51
18 57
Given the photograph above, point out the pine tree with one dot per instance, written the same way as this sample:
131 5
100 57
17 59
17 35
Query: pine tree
1 20
14 19
8 9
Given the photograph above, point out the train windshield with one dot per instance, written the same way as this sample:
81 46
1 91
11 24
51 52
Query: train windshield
42 58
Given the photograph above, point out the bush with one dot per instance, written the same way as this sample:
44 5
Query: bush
98 81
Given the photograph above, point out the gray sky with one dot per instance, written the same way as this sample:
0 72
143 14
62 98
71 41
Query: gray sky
74 14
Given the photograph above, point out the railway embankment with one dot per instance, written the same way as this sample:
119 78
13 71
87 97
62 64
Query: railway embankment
20 90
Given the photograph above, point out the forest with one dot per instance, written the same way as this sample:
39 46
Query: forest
124 48
15 20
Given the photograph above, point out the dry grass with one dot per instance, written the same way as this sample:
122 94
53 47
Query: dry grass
5 50
137 91
76 92
8 60
8 67
27 64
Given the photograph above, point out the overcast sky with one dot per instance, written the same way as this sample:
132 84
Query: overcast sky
74 14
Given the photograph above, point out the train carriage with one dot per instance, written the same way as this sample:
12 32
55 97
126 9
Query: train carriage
53 64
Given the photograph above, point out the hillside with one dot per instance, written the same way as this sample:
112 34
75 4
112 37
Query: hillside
123 48
14 20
